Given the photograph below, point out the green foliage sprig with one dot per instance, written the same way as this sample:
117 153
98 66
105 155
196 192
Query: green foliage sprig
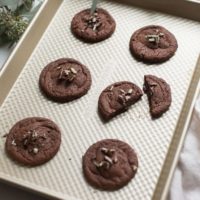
12 23
11 26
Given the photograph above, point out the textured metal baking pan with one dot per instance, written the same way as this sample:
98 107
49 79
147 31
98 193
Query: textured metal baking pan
157 142
181 8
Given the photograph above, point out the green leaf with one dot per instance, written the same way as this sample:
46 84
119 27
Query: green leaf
13 23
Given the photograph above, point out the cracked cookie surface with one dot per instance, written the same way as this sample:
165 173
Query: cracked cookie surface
153 44
109 164
93 27
64 80
159 95
117 98
33 141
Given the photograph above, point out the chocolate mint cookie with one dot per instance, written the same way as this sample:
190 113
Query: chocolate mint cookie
93 27
117 97
159 95
33 141
109 164
153 44
65 80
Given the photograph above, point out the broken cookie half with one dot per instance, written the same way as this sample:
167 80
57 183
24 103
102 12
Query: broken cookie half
117 97
159 95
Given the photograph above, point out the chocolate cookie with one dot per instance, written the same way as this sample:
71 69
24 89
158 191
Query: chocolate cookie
109 164
33 141
117 97
159 95
93 27
65 80
153 44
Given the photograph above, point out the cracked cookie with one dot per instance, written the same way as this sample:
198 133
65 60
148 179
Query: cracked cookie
33 141
109 164
153 44
65 80
159 95
117 97
93 27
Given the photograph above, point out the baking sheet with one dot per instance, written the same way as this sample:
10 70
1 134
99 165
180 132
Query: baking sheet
108 61
188 8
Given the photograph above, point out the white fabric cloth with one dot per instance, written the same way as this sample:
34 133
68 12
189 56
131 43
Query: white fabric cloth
186 181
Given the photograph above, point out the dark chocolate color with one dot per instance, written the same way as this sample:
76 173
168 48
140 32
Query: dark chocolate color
109 170
60 87
93 28
116 98
159 95
33 141
144 49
